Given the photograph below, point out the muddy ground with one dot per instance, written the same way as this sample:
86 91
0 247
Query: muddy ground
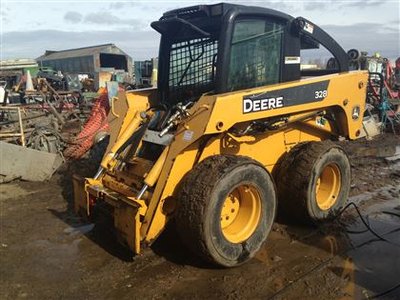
48 253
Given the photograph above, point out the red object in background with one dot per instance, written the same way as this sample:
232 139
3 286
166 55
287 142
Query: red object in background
96 122
389 79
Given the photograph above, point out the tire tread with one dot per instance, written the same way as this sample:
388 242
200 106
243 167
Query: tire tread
194 195
293 177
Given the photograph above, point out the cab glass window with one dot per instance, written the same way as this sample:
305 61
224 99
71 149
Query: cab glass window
255 54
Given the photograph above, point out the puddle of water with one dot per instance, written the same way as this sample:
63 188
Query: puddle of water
362 265
79 230
373 264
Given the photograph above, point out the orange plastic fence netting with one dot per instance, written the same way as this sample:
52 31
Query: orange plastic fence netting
96 122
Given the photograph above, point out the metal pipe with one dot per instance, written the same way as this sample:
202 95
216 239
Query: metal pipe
21 127
155 171
55 112
141 192
98 173
125 135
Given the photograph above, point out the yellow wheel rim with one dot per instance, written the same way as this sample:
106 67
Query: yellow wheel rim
240 213
328 187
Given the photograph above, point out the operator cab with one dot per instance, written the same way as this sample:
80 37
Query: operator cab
224 47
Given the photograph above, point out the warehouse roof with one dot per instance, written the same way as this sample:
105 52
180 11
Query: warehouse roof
79 52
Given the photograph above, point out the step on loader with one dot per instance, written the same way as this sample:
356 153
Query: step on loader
235 128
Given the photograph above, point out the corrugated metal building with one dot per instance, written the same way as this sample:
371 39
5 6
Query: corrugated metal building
92 60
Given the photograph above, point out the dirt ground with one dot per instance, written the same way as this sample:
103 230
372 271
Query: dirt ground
47 252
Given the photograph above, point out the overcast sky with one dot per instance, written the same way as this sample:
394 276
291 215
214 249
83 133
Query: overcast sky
30 27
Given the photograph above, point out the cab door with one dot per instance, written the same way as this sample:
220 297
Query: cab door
255 53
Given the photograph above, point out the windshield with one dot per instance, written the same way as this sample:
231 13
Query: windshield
191 68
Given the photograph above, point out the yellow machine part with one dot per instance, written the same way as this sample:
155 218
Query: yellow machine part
124 110
213 116
346 92
240 213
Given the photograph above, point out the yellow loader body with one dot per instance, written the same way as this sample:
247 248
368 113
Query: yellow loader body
207 131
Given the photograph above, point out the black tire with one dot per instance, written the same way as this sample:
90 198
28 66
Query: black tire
298 176
203 193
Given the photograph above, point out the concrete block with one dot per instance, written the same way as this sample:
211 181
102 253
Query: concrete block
27 164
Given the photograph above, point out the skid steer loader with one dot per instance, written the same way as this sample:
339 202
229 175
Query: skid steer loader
234 127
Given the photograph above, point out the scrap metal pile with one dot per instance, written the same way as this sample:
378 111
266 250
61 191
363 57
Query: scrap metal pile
46 119
383 97
49 117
